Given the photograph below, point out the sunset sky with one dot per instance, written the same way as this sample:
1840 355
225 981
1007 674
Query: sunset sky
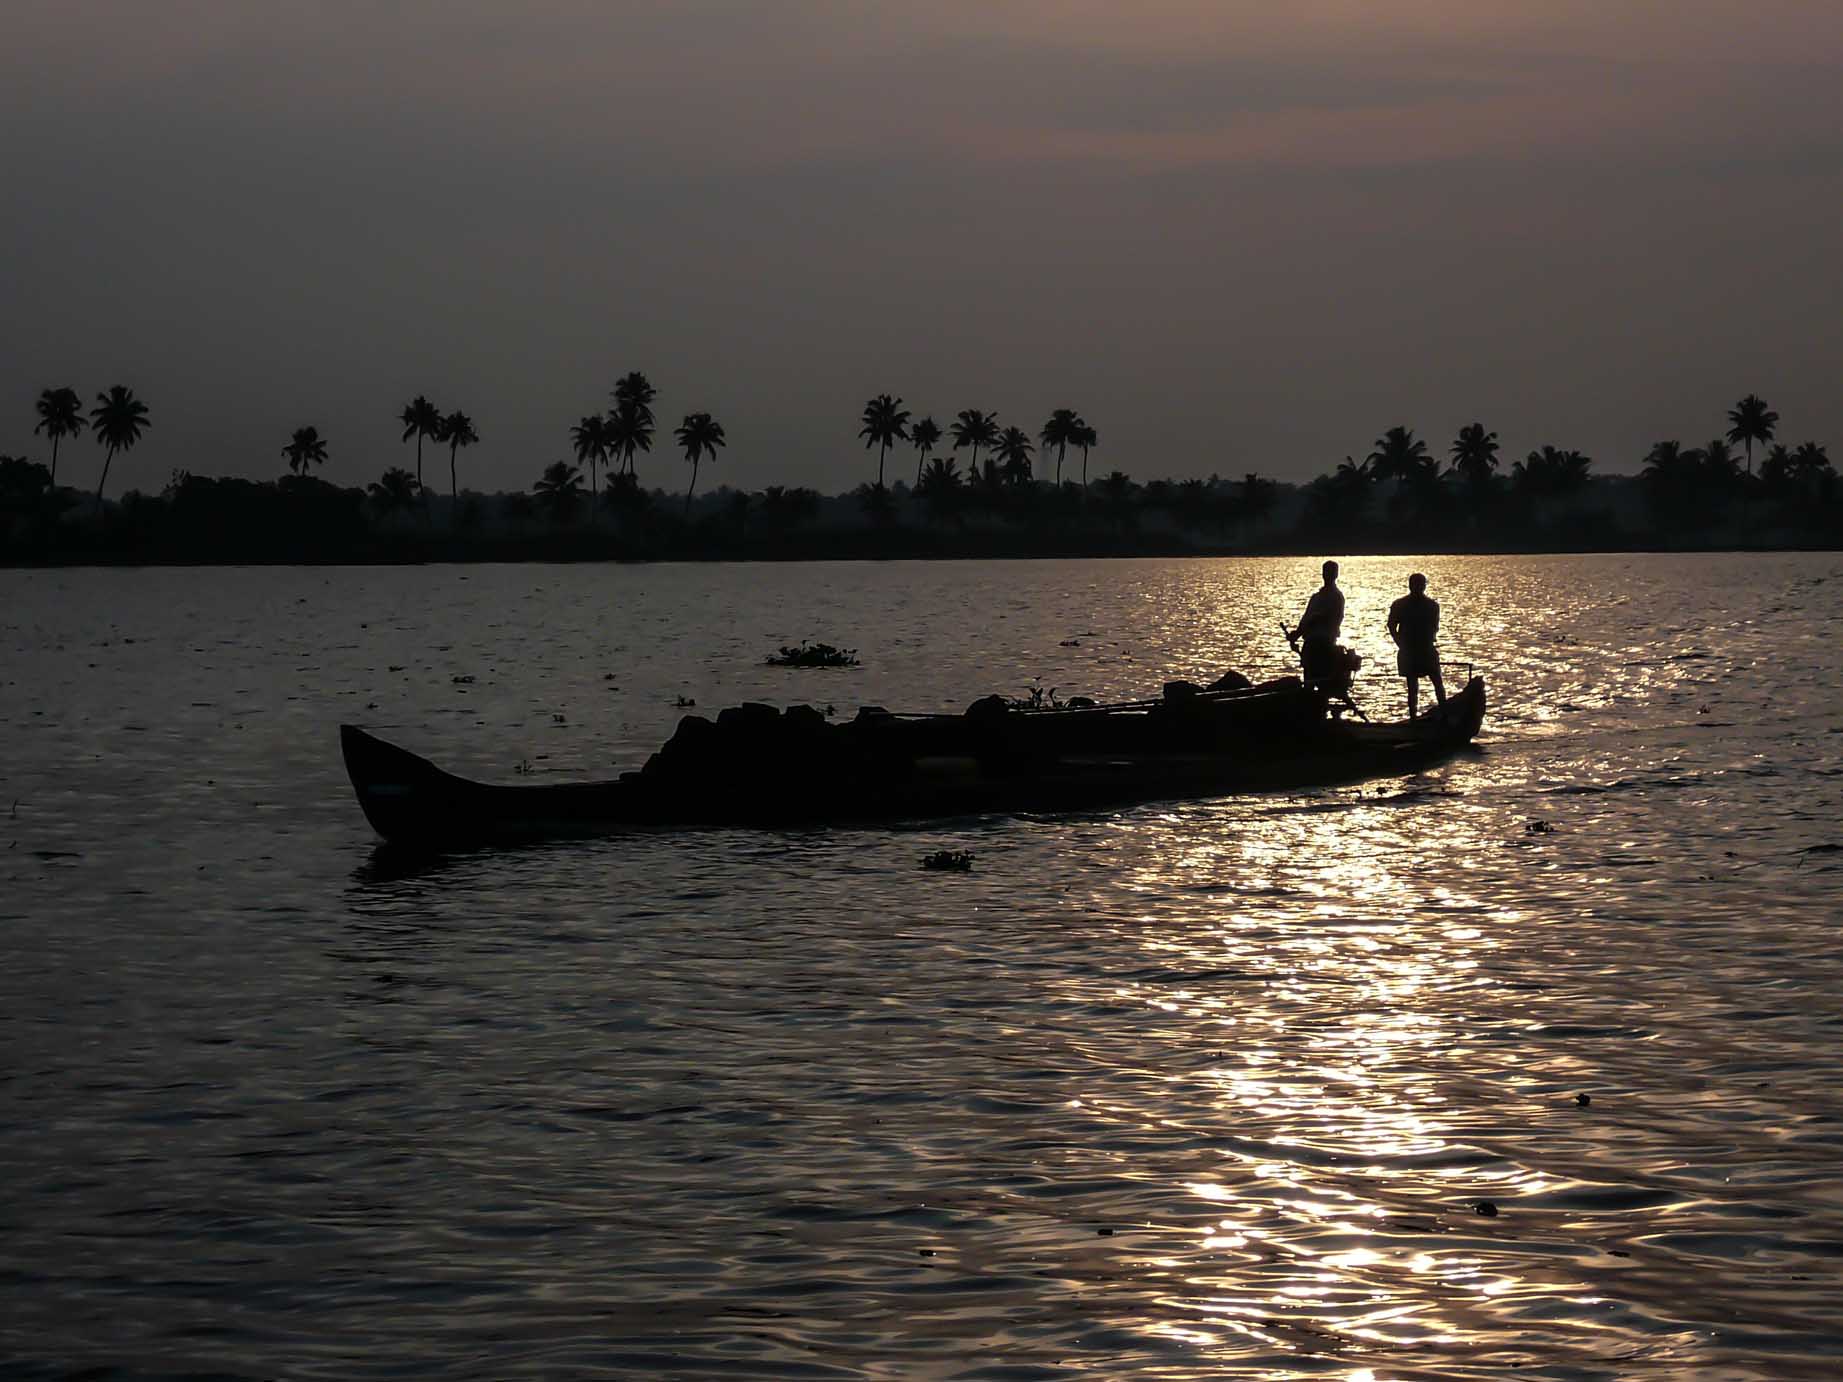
1235 236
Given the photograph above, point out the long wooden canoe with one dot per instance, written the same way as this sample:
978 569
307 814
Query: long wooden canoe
755 766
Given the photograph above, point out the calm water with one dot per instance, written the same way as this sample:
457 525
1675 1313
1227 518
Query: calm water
1182 1091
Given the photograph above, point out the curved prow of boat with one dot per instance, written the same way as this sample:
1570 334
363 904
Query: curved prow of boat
401 795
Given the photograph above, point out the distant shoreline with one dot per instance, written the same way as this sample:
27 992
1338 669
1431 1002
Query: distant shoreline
589 549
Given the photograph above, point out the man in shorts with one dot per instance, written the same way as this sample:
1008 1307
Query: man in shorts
1414 623
1318 631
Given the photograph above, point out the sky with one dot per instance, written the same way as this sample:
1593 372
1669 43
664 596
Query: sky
1233 236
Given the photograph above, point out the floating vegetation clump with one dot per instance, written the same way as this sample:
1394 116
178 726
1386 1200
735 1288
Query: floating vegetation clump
949 861
814 655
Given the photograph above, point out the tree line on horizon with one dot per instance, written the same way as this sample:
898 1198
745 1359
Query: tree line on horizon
1680 481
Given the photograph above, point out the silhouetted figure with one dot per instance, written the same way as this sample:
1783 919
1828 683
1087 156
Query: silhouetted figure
1414 624
1317 634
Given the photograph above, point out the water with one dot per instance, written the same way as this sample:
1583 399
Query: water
1208 1089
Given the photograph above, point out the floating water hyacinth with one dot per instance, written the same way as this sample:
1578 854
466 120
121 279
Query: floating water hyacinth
814 655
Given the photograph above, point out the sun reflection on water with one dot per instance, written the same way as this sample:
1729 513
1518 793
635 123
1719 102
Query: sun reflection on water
1353 974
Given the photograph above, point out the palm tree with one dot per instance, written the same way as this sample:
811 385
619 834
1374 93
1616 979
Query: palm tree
1672 477
924 436
420 418
885 421
1475 453
634 393
699 434
1751 421
1257 495
395 489
1720 466
118 419
559 490
307 448
1061 432
629 430
1341 497
1551 472
1776 467
1811 471
974 429
630 425
939 486
1399 455
1117 497
457 430
60 414
590 438
1087 437
1014 452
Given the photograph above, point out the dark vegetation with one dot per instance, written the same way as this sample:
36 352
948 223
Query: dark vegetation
1018 496
815 655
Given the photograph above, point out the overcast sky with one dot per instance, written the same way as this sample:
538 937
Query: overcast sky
1234 236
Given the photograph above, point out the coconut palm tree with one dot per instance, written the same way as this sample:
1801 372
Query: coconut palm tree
1776 465
631 424
420 418
118 419
1398 455
1810 471
974 429
885 421
558 490
1751 421
1474 454
457 430
1014 452
629 430
1257 496
634 393
60 414
1550 473
394 490
1721 468
924 436
939 486
590 438
699 435
307 448
1086 438
1117 492
1061 431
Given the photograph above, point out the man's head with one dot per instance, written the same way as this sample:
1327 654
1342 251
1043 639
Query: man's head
1330 572
1417 584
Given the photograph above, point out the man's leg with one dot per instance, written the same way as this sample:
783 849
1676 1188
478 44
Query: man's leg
1439 686
1414 694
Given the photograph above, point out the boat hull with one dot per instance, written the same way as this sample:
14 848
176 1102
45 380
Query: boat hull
916 771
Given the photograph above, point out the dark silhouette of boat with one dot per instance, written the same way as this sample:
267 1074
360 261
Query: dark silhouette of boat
758 766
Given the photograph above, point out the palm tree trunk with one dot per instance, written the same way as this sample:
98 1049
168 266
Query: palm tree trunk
881 454
454 486
105 476
920 456
692 486
1084 471
1060 447
54 463
419 460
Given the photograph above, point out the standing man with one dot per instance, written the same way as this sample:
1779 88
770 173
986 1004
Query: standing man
1318 630
1414 623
